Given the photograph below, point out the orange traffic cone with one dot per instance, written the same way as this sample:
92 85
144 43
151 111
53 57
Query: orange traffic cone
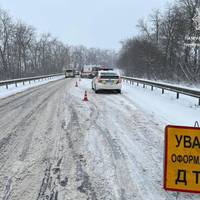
76 84
85 97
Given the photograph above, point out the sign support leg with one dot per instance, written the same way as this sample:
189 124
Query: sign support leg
177 195
196 124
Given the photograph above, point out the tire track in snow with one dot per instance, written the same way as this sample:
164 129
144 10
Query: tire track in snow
118 156
119 148
53 183
74 139
17 104
22 142
25 122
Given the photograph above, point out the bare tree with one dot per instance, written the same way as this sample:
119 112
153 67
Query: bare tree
6 31
170 32
143 27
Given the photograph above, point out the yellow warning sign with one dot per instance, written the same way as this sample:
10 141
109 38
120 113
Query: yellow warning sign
182 159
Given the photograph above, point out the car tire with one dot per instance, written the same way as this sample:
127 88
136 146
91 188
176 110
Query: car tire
119 91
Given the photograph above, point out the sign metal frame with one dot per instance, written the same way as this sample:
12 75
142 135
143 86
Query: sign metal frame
166 159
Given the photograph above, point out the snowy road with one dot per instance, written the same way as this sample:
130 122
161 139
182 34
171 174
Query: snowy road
55 146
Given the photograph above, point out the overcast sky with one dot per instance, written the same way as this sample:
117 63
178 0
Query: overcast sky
93 23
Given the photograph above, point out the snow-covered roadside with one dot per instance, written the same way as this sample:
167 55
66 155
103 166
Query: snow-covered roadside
164 107
12 89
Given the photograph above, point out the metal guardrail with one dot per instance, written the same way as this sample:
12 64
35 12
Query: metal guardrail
178 90
28 79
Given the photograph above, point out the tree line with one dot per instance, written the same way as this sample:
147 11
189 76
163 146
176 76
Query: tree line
167 47
25 53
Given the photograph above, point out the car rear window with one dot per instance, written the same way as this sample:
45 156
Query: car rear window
109 76
105 69
69 70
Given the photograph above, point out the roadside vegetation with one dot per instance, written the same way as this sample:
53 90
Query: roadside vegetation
24 52
161 51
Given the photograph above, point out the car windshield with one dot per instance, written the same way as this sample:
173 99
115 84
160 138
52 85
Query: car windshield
109 76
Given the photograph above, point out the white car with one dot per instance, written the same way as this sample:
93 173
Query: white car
107 80
69 73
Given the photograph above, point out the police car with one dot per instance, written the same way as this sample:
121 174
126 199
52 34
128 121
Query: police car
107 80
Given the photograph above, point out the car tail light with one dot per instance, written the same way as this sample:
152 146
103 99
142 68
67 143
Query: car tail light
99 80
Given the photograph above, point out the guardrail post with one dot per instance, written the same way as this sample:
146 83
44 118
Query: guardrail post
177 95
15 84
152 87
6 86
23 83
143 85
162 91
137 84
199 101
29 82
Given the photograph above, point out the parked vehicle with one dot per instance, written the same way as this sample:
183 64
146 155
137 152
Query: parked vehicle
90 71
107 80
77 72
98 68
86 71
105 69
69 73
94 72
